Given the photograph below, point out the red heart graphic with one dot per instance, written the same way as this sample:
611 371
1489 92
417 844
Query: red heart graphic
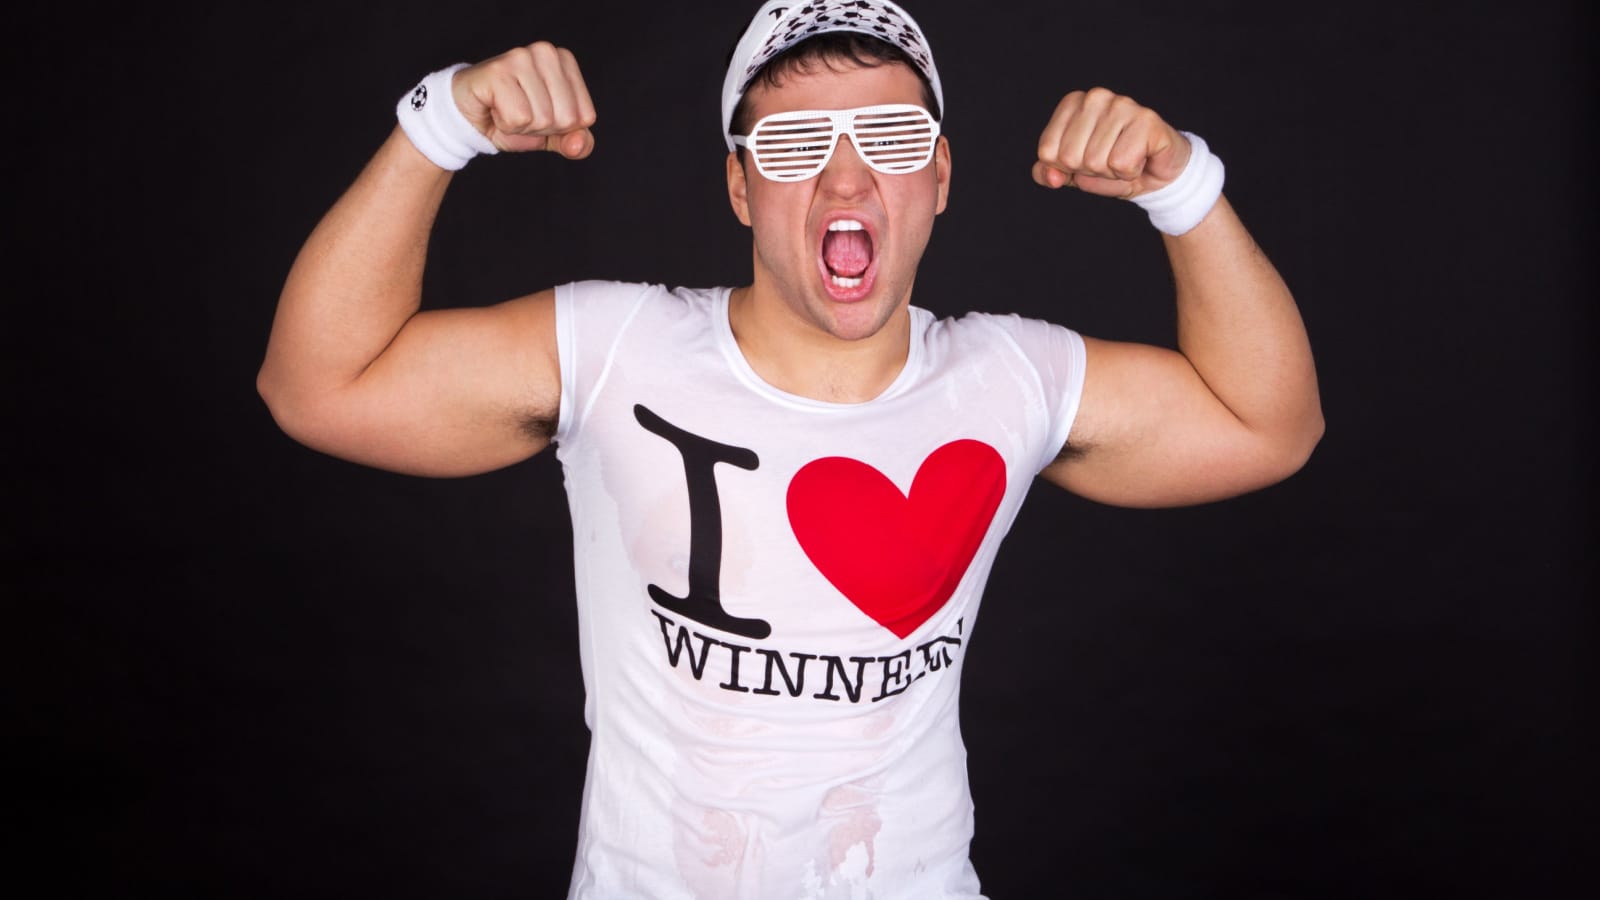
896 557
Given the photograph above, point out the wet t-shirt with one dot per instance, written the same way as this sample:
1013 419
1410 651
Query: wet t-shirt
775 594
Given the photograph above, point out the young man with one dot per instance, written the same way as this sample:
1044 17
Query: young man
786 497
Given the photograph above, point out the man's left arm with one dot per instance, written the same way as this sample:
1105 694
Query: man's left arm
1233 409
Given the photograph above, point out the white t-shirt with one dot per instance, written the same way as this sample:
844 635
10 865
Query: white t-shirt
775 594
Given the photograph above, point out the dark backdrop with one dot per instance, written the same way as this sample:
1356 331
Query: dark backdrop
239 668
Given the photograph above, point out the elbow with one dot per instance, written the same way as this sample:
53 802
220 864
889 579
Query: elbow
294 414
1273 455
1315 430
1311 433
267 388
1295 449
274 394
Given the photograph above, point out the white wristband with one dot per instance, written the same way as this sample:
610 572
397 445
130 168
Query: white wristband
1181 205
429 117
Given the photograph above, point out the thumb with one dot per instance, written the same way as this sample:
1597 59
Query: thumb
1049 176
573 144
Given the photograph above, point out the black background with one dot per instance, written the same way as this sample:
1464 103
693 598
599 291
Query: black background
238 668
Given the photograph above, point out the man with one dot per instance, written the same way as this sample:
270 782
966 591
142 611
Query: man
786 496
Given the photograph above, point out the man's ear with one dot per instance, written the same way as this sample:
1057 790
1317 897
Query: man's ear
737 188
941 171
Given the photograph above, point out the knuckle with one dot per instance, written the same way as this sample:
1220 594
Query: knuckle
505 80
545 55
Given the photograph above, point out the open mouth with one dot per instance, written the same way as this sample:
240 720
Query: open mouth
847 257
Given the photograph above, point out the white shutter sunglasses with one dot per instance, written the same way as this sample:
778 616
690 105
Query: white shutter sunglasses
895 139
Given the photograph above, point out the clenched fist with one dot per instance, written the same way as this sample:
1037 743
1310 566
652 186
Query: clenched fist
1106 144
529 98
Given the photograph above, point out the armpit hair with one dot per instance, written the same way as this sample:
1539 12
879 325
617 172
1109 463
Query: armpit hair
540 428
1071 450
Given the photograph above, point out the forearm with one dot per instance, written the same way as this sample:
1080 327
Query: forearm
357 279
1239 327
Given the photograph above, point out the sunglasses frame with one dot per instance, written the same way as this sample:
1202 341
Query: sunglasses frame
779 166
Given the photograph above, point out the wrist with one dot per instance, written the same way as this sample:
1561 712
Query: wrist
1182 204
429 117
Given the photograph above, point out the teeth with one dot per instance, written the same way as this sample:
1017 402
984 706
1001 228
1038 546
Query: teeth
841 281
846 225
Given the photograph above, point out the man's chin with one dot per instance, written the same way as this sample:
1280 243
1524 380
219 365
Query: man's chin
859 319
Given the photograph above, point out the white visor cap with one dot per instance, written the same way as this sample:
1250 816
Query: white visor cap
780 24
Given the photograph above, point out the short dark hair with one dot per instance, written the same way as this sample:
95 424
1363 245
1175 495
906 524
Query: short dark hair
830 49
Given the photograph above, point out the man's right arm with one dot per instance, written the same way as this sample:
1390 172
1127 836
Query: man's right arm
355 370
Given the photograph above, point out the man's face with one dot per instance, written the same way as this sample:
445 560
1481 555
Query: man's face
792 222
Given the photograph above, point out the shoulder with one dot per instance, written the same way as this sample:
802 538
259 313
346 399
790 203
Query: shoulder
599 301
989 325
1033 339
599 290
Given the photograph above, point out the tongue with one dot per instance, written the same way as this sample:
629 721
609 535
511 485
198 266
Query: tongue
847 253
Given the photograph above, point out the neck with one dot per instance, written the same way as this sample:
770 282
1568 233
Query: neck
797 357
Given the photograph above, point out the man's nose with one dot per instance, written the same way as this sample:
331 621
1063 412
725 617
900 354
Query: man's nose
846 174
